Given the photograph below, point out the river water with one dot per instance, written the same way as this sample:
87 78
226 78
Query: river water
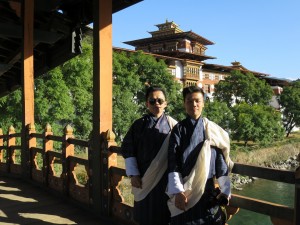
271 191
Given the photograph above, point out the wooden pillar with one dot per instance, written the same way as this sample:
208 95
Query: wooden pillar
10 155
67 150
102 98
297 196
1 145
27 80
47 146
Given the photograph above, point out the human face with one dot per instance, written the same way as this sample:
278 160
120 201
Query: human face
193 104
156 109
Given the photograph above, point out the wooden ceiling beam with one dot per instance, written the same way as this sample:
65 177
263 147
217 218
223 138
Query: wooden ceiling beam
15 31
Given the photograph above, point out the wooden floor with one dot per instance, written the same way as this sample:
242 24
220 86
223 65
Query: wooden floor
23 203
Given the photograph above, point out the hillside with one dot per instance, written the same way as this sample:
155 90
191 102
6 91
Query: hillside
266 156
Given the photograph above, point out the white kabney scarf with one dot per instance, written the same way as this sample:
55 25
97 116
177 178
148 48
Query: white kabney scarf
194 183
156 169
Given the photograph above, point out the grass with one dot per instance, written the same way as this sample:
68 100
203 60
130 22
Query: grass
277 151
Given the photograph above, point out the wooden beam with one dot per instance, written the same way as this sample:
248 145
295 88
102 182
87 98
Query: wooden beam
102 99
265 173
297 196
263 207
15 31
27 80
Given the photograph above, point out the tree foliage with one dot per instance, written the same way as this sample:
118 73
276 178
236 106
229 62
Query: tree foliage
249 97
290 102
257 123
11 111
133 73
53 102
219 113
239 87
64 95
78 75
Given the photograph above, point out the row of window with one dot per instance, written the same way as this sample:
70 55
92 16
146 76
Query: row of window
190 83
195 71
208 88
213 76
192 70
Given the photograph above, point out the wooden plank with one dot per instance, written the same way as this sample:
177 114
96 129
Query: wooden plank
35 149
25 203
36 135
265 173
123 213
78 160
57 155
117 171
297 196
263 207
82 143
55 138
15 135
115 149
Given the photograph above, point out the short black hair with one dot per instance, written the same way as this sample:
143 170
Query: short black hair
190 90
153 89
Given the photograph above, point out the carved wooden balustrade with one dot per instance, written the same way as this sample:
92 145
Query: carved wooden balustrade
44 161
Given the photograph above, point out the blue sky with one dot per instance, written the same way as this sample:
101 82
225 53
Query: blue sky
263 35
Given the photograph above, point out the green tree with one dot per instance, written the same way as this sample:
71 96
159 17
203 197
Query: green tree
219 113
133 73
240 87
11 111
126 86
78 76
64 95
290 102
53 102
257 123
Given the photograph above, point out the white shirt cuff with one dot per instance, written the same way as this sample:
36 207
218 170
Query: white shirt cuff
175 184
224 183
131 166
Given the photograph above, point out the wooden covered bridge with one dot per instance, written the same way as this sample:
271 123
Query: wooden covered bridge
36 36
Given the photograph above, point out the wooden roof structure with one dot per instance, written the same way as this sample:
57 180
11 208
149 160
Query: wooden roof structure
57 34
169 32
272 81
153 40
235 66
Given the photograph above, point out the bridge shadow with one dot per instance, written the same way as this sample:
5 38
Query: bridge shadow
23 203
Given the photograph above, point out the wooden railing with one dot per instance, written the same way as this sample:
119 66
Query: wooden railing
44 159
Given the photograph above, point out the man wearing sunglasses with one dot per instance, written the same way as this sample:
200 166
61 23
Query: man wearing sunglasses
145 149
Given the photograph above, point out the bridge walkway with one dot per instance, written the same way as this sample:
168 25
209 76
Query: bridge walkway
23 203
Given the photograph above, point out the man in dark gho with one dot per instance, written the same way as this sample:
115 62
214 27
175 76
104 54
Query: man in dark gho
198 157
145 149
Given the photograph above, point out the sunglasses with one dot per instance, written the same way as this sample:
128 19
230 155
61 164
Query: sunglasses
152 101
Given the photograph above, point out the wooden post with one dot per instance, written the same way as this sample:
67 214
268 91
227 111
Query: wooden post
67 150
1 145
47 146
109 160
27 81
297 196
10 155
31 142
102 98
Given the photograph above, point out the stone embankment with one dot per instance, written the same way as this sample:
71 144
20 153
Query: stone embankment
290 164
